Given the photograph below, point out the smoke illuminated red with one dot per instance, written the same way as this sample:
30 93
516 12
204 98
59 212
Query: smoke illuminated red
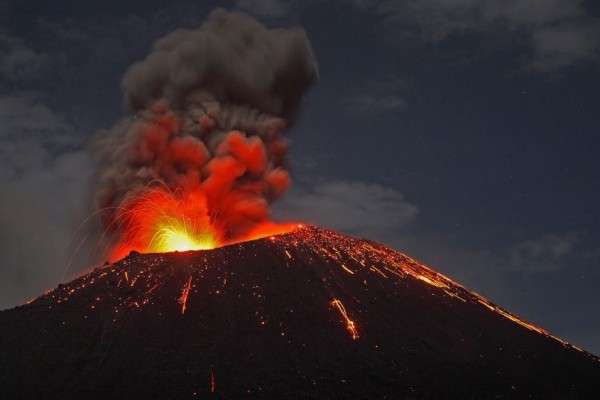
160 221
202 156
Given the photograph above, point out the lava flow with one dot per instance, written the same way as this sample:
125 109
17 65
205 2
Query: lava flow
350 325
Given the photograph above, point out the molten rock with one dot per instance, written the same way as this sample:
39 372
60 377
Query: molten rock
307 314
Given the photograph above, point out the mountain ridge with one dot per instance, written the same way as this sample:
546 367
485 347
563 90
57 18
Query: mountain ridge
307 314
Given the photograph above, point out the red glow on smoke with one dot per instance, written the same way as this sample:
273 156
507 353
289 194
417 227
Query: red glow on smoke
159 221
191 194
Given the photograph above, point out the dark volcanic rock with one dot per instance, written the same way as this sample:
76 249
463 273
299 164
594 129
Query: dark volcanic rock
261 320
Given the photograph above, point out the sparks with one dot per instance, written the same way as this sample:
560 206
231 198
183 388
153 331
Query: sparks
175 236
378 271
213 382
431 282
348 270
184 295
159 221
350 324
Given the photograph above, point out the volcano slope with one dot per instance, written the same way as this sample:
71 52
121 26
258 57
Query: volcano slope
308 314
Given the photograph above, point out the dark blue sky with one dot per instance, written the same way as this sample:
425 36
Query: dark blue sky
464 133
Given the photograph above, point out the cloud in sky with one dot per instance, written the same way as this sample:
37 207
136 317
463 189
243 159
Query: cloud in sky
39 214
376 97
266 8
19 62
43 176
547 253
365 209
564 44
558 33
29 132
367 103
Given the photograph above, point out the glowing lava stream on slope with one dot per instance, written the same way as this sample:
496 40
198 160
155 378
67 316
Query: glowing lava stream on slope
158 221
350 324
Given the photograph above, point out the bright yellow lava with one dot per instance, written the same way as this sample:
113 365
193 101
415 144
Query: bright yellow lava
178 238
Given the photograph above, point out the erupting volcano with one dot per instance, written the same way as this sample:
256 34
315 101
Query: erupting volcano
306 314
226 303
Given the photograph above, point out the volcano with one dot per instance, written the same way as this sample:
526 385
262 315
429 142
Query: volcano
307 314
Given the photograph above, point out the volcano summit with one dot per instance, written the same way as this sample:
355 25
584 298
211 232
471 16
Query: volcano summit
307 314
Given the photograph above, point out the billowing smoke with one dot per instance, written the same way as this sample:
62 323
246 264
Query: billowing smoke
208 108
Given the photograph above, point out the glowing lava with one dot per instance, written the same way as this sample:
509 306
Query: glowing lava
175 236
350 324
185 292
159 221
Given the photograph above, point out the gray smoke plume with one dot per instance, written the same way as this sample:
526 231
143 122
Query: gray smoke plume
233 58
208 109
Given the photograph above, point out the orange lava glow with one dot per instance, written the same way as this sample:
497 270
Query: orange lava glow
158 221
350 325
185 292
213 382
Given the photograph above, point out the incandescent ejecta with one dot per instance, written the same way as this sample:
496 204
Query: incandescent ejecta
202 154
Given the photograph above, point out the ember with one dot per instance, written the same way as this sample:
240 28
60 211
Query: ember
185 292
350 325
160 221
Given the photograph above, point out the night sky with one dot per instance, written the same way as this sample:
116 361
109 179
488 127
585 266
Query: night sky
462 132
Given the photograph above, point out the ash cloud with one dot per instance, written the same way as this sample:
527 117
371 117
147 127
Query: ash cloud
209 108
18 62
44 190
232 57
365 209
